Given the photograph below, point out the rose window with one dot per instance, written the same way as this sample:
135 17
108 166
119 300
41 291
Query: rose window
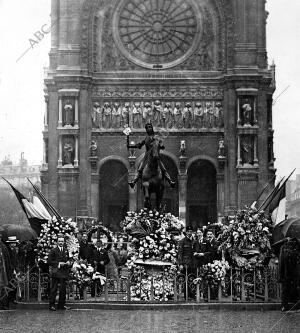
157 33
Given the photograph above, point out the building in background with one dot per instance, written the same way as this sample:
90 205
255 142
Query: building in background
18 175
197 69
293 197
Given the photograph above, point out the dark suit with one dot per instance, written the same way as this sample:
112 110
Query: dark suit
199 247
99 255
211 251
59 275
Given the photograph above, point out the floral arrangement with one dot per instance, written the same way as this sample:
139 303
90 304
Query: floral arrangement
159 287
49 234
213 273
82 272
153 245
145 222
247 238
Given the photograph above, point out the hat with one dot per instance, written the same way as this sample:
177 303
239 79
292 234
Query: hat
189 228
12 239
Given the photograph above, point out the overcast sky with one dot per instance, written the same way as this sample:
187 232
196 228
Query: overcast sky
21 82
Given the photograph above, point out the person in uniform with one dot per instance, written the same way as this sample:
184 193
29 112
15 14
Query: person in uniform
148 142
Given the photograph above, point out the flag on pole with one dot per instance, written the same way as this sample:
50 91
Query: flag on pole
277 206
35 215
46 203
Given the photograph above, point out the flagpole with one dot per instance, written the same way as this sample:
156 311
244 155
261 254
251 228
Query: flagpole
53 210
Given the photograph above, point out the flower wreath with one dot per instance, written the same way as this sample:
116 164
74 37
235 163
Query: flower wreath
102 229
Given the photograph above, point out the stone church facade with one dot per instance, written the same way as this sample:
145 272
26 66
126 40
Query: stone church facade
197 69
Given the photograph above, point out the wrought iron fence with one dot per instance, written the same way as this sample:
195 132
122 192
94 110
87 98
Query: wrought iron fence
259 285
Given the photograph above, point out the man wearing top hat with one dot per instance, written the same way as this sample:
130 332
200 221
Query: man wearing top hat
148 143
13 251
59 267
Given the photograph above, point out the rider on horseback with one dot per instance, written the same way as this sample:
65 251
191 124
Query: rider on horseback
148 142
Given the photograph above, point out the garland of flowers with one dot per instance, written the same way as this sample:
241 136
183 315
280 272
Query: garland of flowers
49 234
153 243
213 273
247 239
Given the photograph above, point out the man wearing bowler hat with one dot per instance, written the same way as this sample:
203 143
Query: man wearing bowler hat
59 267
13 251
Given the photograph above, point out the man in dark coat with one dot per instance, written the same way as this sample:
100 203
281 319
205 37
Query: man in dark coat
185 257
86 249
13 251
101 259
59 267
86 252
199 246
211 248
289 273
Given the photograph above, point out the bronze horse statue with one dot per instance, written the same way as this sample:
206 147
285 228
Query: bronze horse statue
152 177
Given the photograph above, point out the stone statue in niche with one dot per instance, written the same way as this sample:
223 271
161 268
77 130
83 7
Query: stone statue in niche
106 115
147 113
187 115
167 119
219 115
93 148
206 115
125 114
68 152
178 115
68 114
182 149
198 115
246 150
116 115
96 115
137 115
210 114
221 149
246 111
156 112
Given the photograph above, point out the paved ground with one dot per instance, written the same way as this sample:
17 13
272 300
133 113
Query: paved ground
148 321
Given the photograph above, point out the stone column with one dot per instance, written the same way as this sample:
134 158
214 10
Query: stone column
182 190
76 112
60 112
238 112
45 164
60 152
255 151
239 160
76 153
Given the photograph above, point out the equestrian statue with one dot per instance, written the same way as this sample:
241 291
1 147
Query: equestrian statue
151 171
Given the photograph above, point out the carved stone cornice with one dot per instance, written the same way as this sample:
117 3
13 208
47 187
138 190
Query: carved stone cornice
154 92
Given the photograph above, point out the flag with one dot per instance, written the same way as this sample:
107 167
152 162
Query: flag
46 203
270 197
35 215
277 205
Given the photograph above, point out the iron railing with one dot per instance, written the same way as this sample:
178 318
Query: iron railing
258 285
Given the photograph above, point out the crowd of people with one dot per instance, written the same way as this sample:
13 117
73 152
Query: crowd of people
196 248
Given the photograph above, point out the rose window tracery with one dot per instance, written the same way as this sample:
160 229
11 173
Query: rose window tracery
157 33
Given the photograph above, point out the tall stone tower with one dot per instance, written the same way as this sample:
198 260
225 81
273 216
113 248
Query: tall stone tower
197 69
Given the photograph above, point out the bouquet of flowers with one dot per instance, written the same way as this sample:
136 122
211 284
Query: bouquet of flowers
247 238
213 273
49 234
82 272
